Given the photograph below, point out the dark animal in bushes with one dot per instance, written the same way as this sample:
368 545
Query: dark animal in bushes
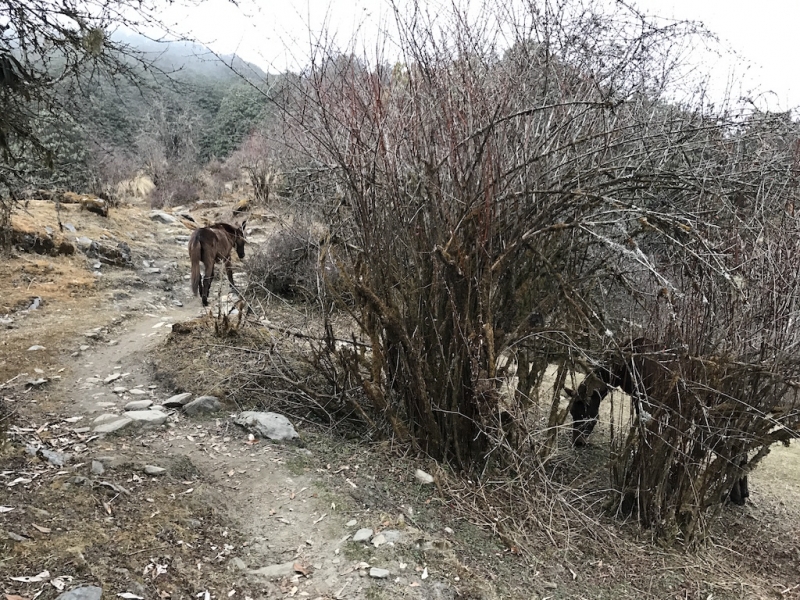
647 367
210 245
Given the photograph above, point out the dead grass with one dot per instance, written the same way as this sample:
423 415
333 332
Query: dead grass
114 539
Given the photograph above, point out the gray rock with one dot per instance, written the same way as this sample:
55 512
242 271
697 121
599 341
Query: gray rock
202 405
138 404
377 573
106 418
147 417
273 571
423 477
177 401
391 535
379 540
35 348
70 227
238 563
113 426
119 390
83 242
267 425
177 303
153 470
98 468
112 378
151 270
84 347
362 535
137 392
89 592
162 217
351 523
57 459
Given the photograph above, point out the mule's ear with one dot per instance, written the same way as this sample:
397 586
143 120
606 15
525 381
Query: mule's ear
569 392
243 225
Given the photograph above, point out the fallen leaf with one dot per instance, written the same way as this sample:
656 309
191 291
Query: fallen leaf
60 582
43 576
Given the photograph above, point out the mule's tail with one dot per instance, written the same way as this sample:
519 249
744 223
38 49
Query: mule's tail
196 255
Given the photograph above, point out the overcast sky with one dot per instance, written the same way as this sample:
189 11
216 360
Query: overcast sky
274 33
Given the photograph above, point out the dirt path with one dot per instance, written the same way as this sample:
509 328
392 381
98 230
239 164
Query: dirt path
257 519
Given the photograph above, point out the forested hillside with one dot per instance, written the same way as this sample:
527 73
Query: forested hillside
187 108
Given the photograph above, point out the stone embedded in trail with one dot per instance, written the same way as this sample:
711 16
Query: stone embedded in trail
379 540
112 378
113 426
57 459
120 390
362 535
106 418
84 347
267 425
162 217
35 348
89 592
139 405
202 405
351 523
391 535
423 477
153 470
273 571
136 392
177 401
98 468
147 417
377 573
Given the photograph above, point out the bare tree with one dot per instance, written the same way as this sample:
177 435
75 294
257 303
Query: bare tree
49 51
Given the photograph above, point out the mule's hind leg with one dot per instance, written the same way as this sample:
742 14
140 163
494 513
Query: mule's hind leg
207 279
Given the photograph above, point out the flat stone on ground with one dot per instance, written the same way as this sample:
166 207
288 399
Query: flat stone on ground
202 405
153 470
113 426
177 401
89 592
138 405
267 425
106 418
362 535
377 573
147 417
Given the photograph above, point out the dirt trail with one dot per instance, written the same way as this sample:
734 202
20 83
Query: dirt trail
285 516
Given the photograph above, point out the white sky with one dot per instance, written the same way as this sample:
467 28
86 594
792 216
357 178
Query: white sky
275 33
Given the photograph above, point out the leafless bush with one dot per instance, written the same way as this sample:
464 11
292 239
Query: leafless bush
535 201
286 264
174 192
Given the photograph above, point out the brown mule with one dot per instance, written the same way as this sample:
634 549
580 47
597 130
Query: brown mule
210 245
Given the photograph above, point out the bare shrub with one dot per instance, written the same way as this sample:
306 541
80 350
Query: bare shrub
286 264
545 201
174 192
